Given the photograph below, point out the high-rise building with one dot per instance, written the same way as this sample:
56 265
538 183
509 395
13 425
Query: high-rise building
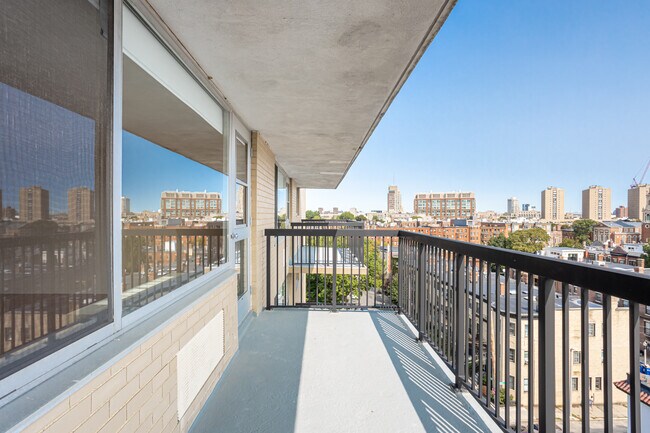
81 205
394 199
525 207
34 204
184 204
646 212
513 206
445 205
636 199
620 212
597 203
126 206
553 204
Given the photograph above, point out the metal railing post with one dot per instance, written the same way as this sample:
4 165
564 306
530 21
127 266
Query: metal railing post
546 362
334 264
421 296
268 272
461 321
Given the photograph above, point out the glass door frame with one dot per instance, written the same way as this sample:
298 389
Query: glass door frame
241 232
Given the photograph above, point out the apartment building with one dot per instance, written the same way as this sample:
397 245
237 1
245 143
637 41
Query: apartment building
553 204
445 205
620 212
597 203
81 205
596 384
513 206
190 205
637 199
394 200
34 204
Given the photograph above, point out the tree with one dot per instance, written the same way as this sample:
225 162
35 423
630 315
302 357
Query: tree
361 218
312 215
571 243
646 255
416 217
346 216
583 229
529 240
500 241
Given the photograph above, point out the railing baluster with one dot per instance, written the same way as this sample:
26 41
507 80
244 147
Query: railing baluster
531 352
546 355
518 354
635 388
584 339
566 360
607 363
461 311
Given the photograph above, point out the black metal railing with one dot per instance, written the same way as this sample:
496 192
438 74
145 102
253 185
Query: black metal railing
331 268
516 329
327 224
156 261
48 291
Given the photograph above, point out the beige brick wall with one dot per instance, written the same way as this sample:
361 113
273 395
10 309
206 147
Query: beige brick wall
138 393
263 214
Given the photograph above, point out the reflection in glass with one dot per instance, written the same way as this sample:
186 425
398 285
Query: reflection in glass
55 117
281 199
175 178
241 267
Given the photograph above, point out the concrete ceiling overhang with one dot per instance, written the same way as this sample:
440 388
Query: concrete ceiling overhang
314 77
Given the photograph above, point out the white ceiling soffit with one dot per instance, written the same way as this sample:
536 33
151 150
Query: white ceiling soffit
314 77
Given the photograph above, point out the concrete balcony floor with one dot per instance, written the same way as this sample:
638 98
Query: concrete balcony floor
348 371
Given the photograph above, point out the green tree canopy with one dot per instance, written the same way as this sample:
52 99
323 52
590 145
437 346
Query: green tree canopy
346 216
500 241
312 215
361 218
571 243
529 240
646 255
583 229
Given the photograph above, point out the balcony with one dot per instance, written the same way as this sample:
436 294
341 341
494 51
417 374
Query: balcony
386 330
315 370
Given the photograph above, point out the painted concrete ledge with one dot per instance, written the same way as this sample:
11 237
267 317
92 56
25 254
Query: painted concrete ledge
318 371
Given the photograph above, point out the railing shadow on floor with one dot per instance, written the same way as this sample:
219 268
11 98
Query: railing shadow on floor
428 387
245 399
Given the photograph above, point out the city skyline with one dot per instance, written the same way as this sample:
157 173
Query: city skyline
528 108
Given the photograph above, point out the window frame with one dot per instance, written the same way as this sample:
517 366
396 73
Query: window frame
49 365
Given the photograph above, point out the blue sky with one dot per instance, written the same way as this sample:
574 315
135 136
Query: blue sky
512 97
148 170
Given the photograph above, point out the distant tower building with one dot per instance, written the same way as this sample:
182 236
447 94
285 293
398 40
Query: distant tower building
34 204
646 212
446 205
620 212
597 203
81 205
394 199
185 204
513 206
525 207
126 206
636 199
553 204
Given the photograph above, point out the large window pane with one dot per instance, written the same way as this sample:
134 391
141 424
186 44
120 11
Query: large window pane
175 180
55 123
281 199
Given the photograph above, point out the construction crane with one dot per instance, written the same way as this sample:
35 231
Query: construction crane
640 181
